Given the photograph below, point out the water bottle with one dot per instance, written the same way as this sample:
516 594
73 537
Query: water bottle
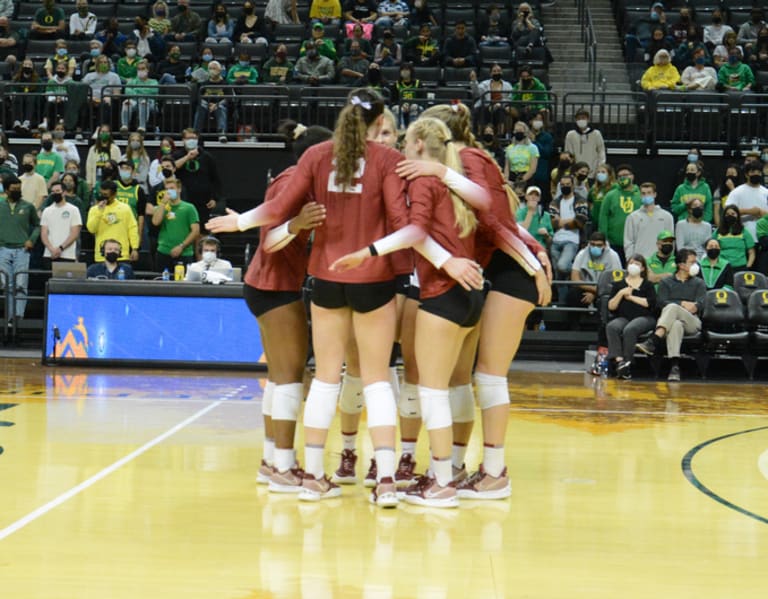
120 274
166 275
178 272
542 326
604 366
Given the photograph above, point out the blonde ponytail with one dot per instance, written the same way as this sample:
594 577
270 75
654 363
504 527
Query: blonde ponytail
457 118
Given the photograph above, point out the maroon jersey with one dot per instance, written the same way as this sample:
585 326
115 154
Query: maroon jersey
356 215
432 210
481 168
286 269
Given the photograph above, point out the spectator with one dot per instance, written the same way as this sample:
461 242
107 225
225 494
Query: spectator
713 34
94 51
136 154
19 231
56 97
327 12
546 144
421 14
632 304
110 219
64 148
644 225
758 54
112 38
693 232
278 69
99 154
585 143
220 27
494 28
113 266
49 22
751 198
210 248
681 298
159 22
366 50
249 28
563 167
699 76
81 189
522 156
388 53
104 86
715 270
736 242
361 12
662 75
605 180
393 12
148 44
200 73
9 42
534 218
26 102
82 22
422 50
353 68
69 184
686 32
526 29
313 68
374 79
735 76
140 92
731 180
748 32
197 171
490 143
569 215
619 203
8 161
588 265
215 100
60 227
493 98
530 95
319 42
34 189
639 34
580 172
657 42
185 26
130 192
693 188
721 52
661 265
61 56
243 73
404 91
179 227
128 65
173 69
49 164
460 51
155 175
281 12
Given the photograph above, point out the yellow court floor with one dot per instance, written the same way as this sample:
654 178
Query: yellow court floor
122 484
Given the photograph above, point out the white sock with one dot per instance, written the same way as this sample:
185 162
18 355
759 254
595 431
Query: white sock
493 460
408 447
284 459
443 472
349 441
457 455
268 454
385 463
313 458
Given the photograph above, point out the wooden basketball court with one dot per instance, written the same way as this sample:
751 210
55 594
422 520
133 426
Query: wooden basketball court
128 484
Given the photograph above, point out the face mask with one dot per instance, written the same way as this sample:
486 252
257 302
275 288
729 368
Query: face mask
690 176
105 137
172 194
142 74
14 195
564 165
182 8
190 144
209 257
764 157
27 70
697 212
56 197
248 10
111 257
595 252
82 10
374 75
27 168
684 18
519 135
95 52
729 219
733 59
755 179
244 63
537 125
717 20
175 55
103 68
601 177
356 52
634 270
58 135
693 157
104 198
107 173
405 75
311 54
125 175
47 145
61 51
281 55
160 12
624 181
207 57
694 269
496 76
135 145
581 177
655 16
167 173
488 138
713 253
165 150
582 123
69 186
648 200
666 248
72 172
700 60
566 190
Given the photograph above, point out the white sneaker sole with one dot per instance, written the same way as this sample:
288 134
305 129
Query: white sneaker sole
344 480
278 488
496 494
451 502
262 478
306 495
387 500
369 483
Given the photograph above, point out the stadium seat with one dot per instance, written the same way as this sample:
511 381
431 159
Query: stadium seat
495 54
746 282
290 32
725 328
456 77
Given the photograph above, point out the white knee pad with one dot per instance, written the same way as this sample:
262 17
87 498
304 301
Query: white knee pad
435 408
266 399
492 390
462 403
321 404
286 401
351 400
408 404
380 404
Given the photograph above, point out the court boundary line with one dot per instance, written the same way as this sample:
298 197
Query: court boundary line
89 482
687 468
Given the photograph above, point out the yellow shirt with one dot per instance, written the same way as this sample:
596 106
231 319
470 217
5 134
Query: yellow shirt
114 221
33 189
325 9
660 77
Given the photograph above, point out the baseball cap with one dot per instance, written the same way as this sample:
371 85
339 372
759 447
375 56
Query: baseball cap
318 26
665 235
535 188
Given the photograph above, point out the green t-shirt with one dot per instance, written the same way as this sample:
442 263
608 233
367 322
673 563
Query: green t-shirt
734 247
538 221
236 72
177 222
127 67
49 163
520 156
49 19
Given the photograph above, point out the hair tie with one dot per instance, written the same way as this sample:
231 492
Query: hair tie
298 131
447 141
455 105
355 101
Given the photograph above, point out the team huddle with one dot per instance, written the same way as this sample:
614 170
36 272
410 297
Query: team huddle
420 249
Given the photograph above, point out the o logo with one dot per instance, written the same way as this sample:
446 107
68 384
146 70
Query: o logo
48 19
618 275
749 278
764 295
721 297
